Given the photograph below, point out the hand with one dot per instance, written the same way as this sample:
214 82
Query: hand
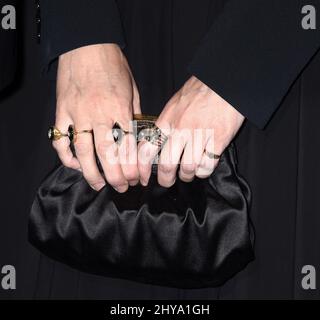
197 121
95 89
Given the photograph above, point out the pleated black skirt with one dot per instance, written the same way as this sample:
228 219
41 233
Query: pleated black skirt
280 163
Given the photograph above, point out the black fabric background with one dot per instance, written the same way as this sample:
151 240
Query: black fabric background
8 45
280 163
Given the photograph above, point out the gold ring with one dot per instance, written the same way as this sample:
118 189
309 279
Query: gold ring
212 155
72 133
55 134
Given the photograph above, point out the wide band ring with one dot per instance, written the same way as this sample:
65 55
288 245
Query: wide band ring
212 155
156 137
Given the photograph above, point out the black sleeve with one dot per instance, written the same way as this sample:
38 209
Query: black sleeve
253 53
71 24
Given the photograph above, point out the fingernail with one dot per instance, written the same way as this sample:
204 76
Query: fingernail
122 188
144 183
133 183
98 186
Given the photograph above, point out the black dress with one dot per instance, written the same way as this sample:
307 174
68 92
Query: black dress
279 162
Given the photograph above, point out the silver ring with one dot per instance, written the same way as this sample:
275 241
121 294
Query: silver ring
212 155
156 137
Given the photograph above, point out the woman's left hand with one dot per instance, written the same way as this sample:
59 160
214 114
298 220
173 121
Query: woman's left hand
198 124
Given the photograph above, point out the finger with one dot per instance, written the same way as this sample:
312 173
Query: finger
62 146
188 164
208 163
85 153
128 158
169 159
107 151
147 152
192 154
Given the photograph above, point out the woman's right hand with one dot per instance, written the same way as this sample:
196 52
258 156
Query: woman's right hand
96 89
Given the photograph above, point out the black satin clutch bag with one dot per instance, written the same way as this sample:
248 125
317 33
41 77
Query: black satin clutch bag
192 235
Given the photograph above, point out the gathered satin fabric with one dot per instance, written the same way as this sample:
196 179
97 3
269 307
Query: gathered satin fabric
192 235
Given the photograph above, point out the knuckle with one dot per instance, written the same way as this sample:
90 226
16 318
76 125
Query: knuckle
207 165
188 168
83 148
166 168
186 177
145 150
131 174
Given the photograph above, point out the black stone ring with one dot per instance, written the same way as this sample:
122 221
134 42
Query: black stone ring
72 133
118 133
